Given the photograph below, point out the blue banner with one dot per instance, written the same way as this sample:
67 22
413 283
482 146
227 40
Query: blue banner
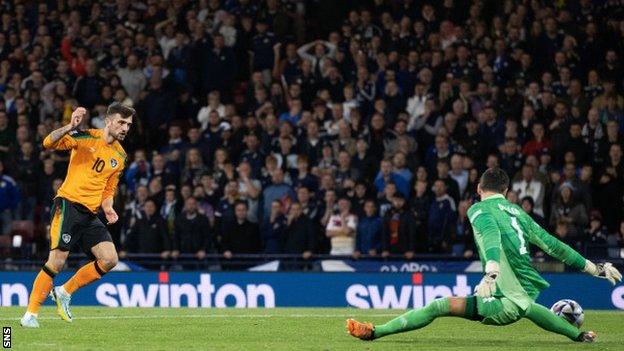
411 266
248 289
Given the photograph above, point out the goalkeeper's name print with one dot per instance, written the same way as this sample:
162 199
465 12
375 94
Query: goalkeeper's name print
6 337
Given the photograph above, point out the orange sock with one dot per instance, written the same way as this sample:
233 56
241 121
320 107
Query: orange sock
87 274
41 288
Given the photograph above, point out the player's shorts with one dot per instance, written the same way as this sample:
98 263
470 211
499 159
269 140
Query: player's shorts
498 310
74 224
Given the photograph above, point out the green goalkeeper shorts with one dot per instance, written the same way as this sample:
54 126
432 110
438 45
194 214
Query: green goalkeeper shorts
498 310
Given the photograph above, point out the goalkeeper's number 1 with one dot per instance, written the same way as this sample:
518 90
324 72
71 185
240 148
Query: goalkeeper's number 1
516 227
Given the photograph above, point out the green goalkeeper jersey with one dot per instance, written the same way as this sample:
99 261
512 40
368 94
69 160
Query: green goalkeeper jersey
502 233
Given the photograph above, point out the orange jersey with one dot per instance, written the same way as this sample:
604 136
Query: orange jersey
94 167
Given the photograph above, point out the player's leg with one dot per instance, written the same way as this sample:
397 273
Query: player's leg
98 245
105 260
43 282
464 307
547 320
59 251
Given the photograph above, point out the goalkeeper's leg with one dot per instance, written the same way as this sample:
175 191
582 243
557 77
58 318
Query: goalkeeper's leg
465 307
547 320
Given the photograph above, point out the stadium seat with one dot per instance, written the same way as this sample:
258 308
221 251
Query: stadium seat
24 228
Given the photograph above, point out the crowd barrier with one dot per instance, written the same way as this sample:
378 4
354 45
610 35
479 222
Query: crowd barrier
257 289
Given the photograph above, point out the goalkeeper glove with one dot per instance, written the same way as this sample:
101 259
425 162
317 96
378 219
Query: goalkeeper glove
487 286
604 271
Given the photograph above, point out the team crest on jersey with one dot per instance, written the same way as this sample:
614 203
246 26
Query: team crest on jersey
66 238
113 163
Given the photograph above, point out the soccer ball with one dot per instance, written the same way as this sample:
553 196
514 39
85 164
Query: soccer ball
570 310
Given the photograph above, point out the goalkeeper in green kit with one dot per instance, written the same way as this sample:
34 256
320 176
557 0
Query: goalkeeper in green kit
510 286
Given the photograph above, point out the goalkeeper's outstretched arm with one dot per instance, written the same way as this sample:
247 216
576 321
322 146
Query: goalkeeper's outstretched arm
487 232
564 253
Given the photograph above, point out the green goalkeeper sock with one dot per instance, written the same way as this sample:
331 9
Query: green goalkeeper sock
545 319
414 319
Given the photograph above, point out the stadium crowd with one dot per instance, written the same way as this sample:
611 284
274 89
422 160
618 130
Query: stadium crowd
321 126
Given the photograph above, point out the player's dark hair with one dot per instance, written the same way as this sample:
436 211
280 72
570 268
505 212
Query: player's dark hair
123 110
494 179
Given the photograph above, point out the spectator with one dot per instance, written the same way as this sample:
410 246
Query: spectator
9 200
277 190
224 213
242 236
458 173
566 209
386 174
88 86
7 135
442 217
170 208
399 230
610 190
25 170
192 232
214 105
262 50
443 175
462 238
528 205
529 186
149 234
369 229
274 231
341 228
249 190
299 233
322 50
539 142
132 77
597 236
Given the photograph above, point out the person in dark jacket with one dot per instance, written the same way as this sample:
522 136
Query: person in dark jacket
399 230
241 236
88 87
10 197
273 233
368 237
192 231
442 218
149 233
300 235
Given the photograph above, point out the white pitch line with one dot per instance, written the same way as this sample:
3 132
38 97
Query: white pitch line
221 316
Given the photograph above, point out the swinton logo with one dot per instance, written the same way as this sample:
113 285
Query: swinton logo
204 294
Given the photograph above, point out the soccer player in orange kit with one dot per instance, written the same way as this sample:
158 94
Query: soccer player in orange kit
95 166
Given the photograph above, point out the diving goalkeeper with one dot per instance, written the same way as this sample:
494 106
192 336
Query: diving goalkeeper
510 286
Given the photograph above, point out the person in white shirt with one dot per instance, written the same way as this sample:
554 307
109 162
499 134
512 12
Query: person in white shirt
529 186
322 50
214 104
132 77
416 107
458 173
341 229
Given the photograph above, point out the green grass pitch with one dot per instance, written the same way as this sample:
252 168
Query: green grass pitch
100 328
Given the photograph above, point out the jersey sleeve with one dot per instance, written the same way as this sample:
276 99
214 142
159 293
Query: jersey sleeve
111 184
553 246
65 143
485 225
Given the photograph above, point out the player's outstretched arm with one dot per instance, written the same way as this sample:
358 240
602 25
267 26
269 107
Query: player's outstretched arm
488 233
564 253
52 140
604 271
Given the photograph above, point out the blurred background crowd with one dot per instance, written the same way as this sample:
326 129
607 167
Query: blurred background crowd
299 127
